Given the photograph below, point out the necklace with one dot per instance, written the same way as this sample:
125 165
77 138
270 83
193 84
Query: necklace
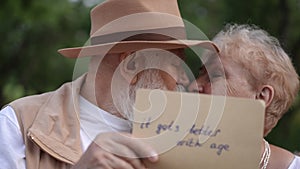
266 156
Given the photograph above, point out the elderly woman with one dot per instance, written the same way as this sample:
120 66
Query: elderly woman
252 64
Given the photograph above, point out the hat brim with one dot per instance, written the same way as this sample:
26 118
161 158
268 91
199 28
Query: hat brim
128 46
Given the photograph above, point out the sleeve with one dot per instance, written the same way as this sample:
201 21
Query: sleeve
295 163
12 146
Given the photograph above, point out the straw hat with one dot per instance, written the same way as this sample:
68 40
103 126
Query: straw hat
129 25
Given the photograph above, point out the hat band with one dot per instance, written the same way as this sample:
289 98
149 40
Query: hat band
162 34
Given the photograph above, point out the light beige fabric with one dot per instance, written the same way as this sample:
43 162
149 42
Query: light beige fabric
124 26
50 127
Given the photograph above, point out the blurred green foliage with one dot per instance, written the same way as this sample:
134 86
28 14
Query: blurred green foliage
32 31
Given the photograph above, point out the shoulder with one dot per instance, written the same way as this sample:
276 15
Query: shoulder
8 117
280 158
30 101
28 106
25 109
295 163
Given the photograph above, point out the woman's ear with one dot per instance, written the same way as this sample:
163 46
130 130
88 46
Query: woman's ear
266 94
128 67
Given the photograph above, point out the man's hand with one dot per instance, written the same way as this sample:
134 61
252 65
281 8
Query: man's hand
116 150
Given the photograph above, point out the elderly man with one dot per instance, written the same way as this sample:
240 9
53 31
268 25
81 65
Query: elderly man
253 65
134 44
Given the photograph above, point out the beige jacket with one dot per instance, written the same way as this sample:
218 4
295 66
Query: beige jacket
50 127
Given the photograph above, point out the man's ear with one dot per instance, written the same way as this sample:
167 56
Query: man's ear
266 93
128 67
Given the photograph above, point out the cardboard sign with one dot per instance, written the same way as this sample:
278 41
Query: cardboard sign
196 131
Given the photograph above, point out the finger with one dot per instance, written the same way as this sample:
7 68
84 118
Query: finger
130 156
116 162
97 158
111 141
128 148
113 150
141 149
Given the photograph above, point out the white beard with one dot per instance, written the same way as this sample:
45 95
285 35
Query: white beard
124 96
123 101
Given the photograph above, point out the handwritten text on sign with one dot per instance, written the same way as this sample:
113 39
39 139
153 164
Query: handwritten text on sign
190 142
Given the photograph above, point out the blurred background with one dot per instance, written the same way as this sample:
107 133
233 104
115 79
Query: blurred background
31 32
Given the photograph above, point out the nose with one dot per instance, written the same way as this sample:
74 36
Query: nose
195 87
183 79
